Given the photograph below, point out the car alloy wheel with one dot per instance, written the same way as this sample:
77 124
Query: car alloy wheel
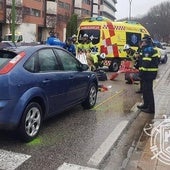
31 122
91 98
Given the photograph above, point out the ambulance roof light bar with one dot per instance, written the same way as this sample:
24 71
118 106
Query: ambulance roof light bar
99 18
131 22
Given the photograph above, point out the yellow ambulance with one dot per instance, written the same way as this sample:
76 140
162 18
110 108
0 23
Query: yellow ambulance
110 37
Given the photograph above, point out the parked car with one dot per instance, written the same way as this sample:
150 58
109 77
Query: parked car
163 52
38 82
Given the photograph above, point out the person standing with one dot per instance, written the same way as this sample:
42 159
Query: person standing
69 46
86 44
130 53
148 72
53 40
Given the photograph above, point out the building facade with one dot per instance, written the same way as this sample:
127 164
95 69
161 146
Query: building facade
35 18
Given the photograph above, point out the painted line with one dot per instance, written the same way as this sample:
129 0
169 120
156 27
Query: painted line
66 166
11 160
117 93
107 145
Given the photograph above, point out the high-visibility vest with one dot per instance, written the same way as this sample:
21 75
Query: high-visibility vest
149 65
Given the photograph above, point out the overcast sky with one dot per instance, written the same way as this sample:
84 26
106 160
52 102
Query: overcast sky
138 7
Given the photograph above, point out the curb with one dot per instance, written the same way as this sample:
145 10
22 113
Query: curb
103 151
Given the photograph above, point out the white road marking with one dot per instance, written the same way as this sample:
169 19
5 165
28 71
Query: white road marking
105 147
66 166
11 160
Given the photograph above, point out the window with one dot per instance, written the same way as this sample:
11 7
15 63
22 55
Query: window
42 61
86 2
47 60
61 4
67 6
30 64
69 63
94 35
31 11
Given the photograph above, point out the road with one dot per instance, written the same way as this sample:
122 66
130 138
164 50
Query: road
75 136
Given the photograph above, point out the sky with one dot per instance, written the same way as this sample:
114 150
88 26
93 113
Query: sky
138 7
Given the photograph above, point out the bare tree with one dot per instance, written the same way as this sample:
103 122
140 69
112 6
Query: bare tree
18 18
157 21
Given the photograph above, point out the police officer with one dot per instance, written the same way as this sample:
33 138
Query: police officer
69 46
53 40
148 72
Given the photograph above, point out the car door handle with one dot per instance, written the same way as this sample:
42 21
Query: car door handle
46 81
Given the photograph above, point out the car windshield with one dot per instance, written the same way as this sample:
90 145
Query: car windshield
93 34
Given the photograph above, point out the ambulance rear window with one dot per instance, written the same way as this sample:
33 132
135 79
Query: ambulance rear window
133 39
94 35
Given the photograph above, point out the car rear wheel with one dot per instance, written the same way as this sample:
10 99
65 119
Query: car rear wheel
114 66
91 98
31 122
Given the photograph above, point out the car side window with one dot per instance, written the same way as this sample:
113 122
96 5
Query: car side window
30 64
42 61
47 60
68 61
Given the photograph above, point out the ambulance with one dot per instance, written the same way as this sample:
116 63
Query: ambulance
109 37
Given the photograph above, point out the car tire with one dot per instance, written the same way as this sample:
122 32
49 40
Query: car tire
165 59
90 101
30 122
114 66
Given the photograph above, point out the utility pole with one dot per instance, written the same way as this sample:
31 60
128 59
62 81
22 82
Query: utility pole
130 8
13 15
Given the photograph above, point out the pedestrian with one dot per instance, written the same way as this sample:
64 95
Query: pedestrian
148 72
69 46
53 40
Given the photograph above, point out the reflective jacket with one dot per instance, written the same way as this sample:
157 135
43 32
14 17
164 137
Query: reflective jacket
149 64
85 46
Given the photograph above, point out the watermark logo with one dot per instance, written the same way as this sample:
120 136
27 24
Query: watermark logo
160 140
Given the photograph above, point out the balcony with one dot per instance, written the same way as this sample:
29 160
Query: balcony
18 3
51 8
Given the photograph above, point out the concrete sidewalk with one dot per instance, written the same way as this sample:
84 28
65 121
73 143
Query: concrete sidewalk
152 152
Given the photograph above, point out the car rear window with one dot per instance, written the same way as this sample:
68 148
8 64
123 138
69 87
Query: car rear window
6 56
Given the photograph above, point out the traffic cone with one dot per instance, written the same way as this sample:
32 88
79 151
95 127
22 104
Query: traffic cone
113 76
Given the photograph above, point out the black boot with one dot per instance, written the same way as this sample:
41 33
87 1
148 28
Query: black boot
141 106
148 111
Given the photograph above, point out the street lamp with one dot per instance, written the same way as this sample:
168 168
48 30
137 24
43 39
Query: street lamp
130 4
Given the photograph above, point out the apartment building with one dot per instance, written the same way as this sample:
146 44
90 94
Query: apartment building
35 18
108 9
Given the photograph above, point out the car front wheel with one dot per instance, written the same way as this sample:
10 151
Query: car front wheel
91 98
31 122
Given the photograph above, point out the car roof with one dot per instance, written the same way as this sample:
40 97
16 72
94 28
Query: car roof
17 49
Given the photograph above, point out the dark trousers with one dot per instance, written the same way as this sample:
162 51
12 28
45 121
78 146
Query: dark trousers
148 96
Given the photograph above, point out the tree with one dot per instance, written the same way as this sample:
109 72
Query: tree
157 21
72 26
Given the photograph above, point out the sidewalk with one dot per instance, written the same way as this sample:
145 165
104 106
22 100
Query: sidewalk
152 152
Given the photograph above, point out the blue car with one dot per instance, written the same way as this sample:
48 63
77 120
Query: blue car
37 82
